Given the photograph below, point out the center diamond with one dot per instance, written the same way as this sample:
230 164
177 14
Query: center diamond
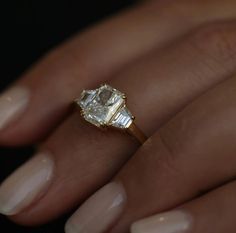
105 106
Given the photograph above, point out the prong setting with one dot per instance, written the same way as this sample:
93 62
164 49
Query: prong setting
104 107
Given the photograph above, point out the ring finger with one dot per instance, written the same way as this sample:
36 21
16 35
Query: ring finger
94 56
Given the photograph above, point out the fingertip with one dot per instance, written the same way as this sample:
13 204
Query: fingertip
27 184
32 127
13 103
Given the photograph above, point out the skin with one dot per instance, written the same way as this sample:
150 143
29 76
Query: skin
186 81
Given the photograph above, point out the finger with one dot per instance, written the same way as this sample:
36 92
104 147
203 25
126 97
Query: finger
76 145
211 213
193 153
92 57
84 61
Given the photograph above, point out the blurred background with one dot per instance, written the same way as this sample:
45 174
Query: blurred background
29 29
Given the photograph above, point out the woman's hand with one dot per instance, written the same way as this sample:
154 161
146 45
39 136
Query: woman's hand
176 61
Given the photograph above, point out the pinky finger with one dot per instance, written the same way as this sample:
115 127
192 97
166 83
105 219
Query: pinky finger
212 213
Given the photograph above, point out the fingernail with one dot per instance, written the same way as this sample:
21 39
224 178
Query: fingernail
13 102
26 184
169 222
99 211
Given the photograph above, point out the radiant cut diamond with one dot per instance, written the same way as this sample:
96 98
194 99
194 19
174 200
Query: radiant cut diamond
105 106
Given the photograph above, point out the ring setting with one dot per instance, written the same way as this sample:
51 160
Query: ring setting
106 107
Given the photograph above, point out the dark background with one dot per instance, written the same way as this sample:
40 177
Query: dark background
29 29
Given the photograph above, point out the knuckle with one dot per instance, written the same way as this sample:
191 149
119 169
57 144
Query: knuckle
166 158
181 10
177 9
217 40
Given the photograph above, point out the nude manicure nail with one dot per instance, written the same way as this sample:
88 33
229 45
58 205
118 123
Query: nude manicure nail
100 211
169 222
26 184
13 102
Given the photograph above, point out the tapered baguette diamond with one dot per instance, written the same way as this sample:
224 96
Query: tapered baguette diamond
123 119
105 106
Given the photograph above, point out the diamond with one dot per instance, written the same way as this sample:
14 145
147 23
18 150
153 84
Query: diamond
86 98
105 106
104 96
123 119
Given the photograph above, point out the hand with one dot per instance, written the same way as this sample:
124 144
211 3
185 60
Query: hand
175 60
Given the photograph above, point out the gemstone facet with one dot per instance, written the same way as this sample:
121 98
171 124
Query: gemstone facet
123 119
105 106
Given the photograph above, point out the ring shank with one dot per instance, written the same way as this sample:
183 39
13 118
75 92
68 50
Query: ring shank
137 133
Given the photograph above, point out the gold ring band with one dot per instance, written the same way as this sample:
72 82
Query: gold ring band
137 133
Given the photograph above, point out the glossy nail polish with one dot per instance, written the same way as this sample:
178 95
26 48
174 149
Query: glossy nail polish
26 184
13 102
99 211
169 222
